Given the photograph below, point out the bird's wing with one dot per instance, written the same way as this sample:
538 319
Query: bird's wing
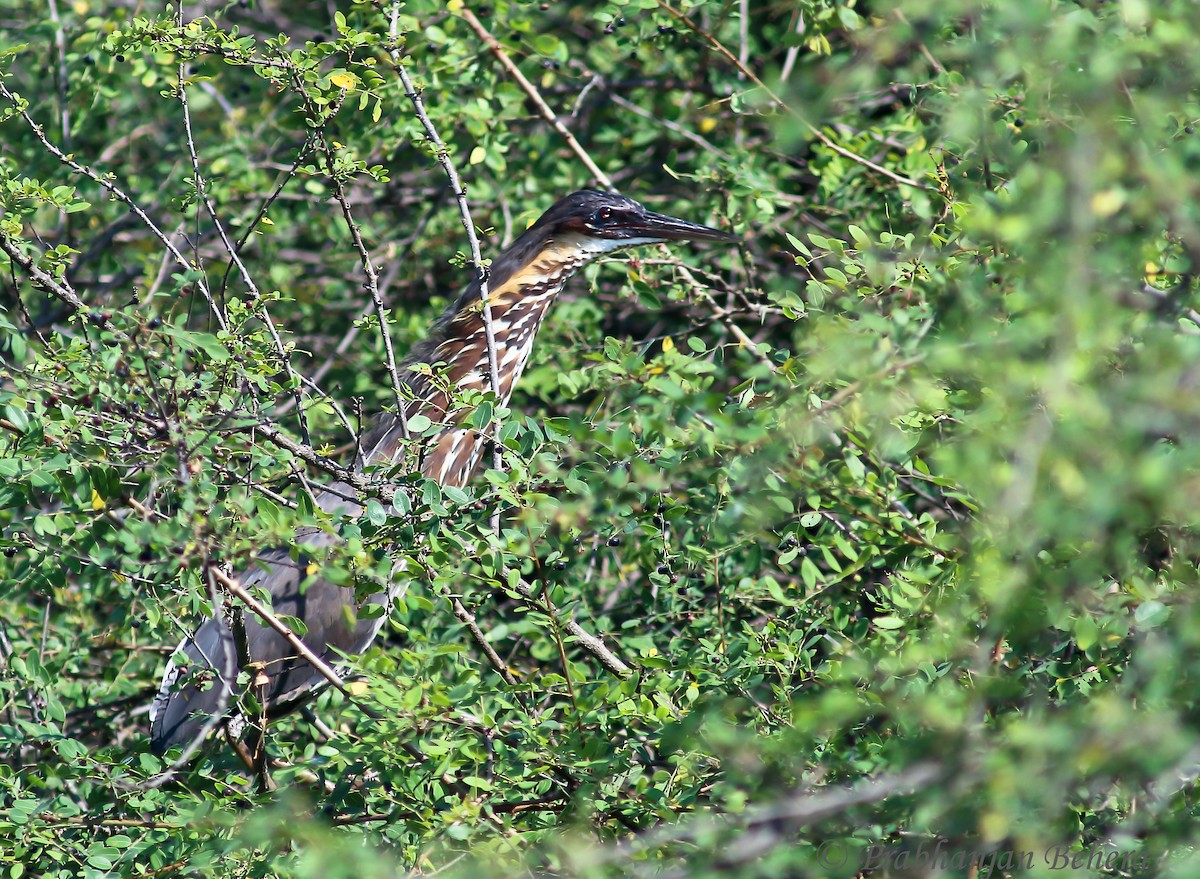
201 677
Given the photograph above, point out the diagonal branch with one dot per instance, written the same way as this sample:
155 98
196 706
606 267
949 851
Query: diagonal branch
538 101
247 278
766 827
590 642
61 289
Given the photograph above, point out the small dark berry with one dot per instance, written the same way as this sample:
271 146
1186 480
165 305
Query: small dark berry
135 624
674 578
664 569
614 540
11 551
146 555
560 566
121 58
789 541
154 323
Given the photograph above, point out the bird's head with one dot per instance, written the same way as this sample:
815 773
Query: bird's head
600 222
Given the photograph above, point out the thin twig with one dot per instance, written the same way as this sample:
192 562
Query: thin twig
352 333
722 314
252 226
372 284
247 279
669 125
477 635
793 51
816 132
60 51
118 193
464 209
1165 299
590 642
531 90
305 452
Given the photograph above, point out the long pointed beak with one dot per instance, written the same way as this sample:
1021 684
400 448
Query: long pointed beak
652 225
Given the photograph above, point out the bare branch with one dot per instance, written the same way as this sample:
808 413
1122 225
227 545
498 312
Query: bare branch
590 642
768 826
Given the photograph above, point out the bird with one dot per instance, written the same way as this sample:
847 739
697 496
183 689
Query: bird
200 680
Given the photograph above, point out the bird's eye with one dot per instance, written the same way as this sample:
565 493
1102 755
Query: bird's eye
604 214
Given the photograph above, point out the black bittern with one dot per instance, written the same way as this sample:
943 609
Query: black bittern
200 679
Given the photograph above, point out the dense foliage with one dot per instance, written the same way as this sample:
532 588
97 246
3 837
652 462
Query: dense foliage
869 544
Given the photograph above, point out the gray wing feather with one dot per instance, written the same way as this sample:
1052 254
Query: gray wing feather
192 685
